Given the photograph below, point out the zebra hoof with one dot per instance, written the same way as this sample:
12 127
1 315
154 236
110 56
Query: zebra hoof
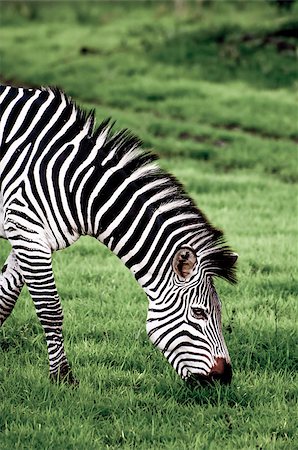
64 375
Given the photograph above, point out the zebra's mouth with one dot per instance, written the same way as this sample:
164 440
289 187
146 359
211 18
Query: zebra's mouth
224 375
194 381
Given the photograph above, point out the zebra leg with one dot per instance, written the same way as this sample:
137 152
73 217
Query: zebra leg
36 266
35 262
11 283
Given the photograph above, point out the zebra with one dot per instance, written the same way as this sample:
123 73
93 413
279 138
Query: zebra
62 177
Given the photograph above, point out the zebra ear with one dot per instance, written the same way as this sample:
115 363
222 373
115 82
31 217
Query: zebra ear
184 261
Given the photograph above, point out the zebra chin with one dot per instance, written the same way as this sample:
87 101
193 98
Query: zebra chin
221 372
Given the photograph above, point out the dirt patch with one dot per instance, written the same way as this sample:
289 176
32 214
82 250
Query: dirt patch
283 39
254 132
184 136
221 142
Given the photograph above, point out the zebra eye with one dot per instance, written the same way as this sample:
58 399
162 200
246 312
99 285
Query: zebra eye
199 313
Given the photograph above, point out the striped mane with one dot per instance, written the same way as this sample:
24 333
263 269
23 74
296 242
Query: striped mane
123 146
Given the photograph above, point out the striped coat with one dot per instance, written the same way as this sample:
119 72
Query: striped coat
60 178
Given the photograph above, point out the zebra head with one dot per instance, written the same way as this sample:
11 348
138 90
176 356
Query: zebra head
185 321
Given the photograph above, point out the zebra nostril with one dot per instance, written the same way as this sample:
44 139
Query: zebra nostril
221 371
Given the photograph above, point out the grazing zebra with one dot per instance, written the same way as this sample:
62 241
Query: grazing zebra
61 178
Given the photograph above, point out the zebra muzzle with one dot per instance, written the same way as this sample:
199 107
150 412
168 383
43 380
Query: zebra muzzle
221 372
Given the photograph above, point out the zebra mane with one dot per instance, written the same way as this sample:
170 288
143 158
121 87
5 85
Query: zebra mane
123 145
83 117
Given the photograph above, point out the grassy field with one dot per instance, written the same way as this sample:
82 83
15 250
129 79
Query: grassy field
210 88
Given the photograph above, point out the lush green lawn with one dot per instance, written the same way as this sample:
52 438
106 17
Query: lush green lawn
211 89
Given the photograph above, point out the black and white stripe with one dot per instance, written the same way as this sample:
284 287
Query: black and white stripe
61 178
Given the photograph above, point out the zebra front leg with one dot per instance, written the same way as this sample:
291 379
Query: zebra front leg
35 261
11 283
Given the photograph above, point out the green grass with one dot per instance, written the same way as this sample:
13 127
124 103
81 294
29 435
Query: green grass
211 91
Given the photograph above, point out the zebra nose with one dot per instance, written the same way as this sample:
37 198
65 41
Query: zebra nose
221 371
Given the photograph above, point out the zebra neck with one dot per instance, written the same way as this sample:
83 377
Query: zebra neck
145 236
138 211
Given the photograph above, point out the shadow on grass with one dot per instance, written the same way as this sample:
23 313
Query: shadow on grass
265 59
